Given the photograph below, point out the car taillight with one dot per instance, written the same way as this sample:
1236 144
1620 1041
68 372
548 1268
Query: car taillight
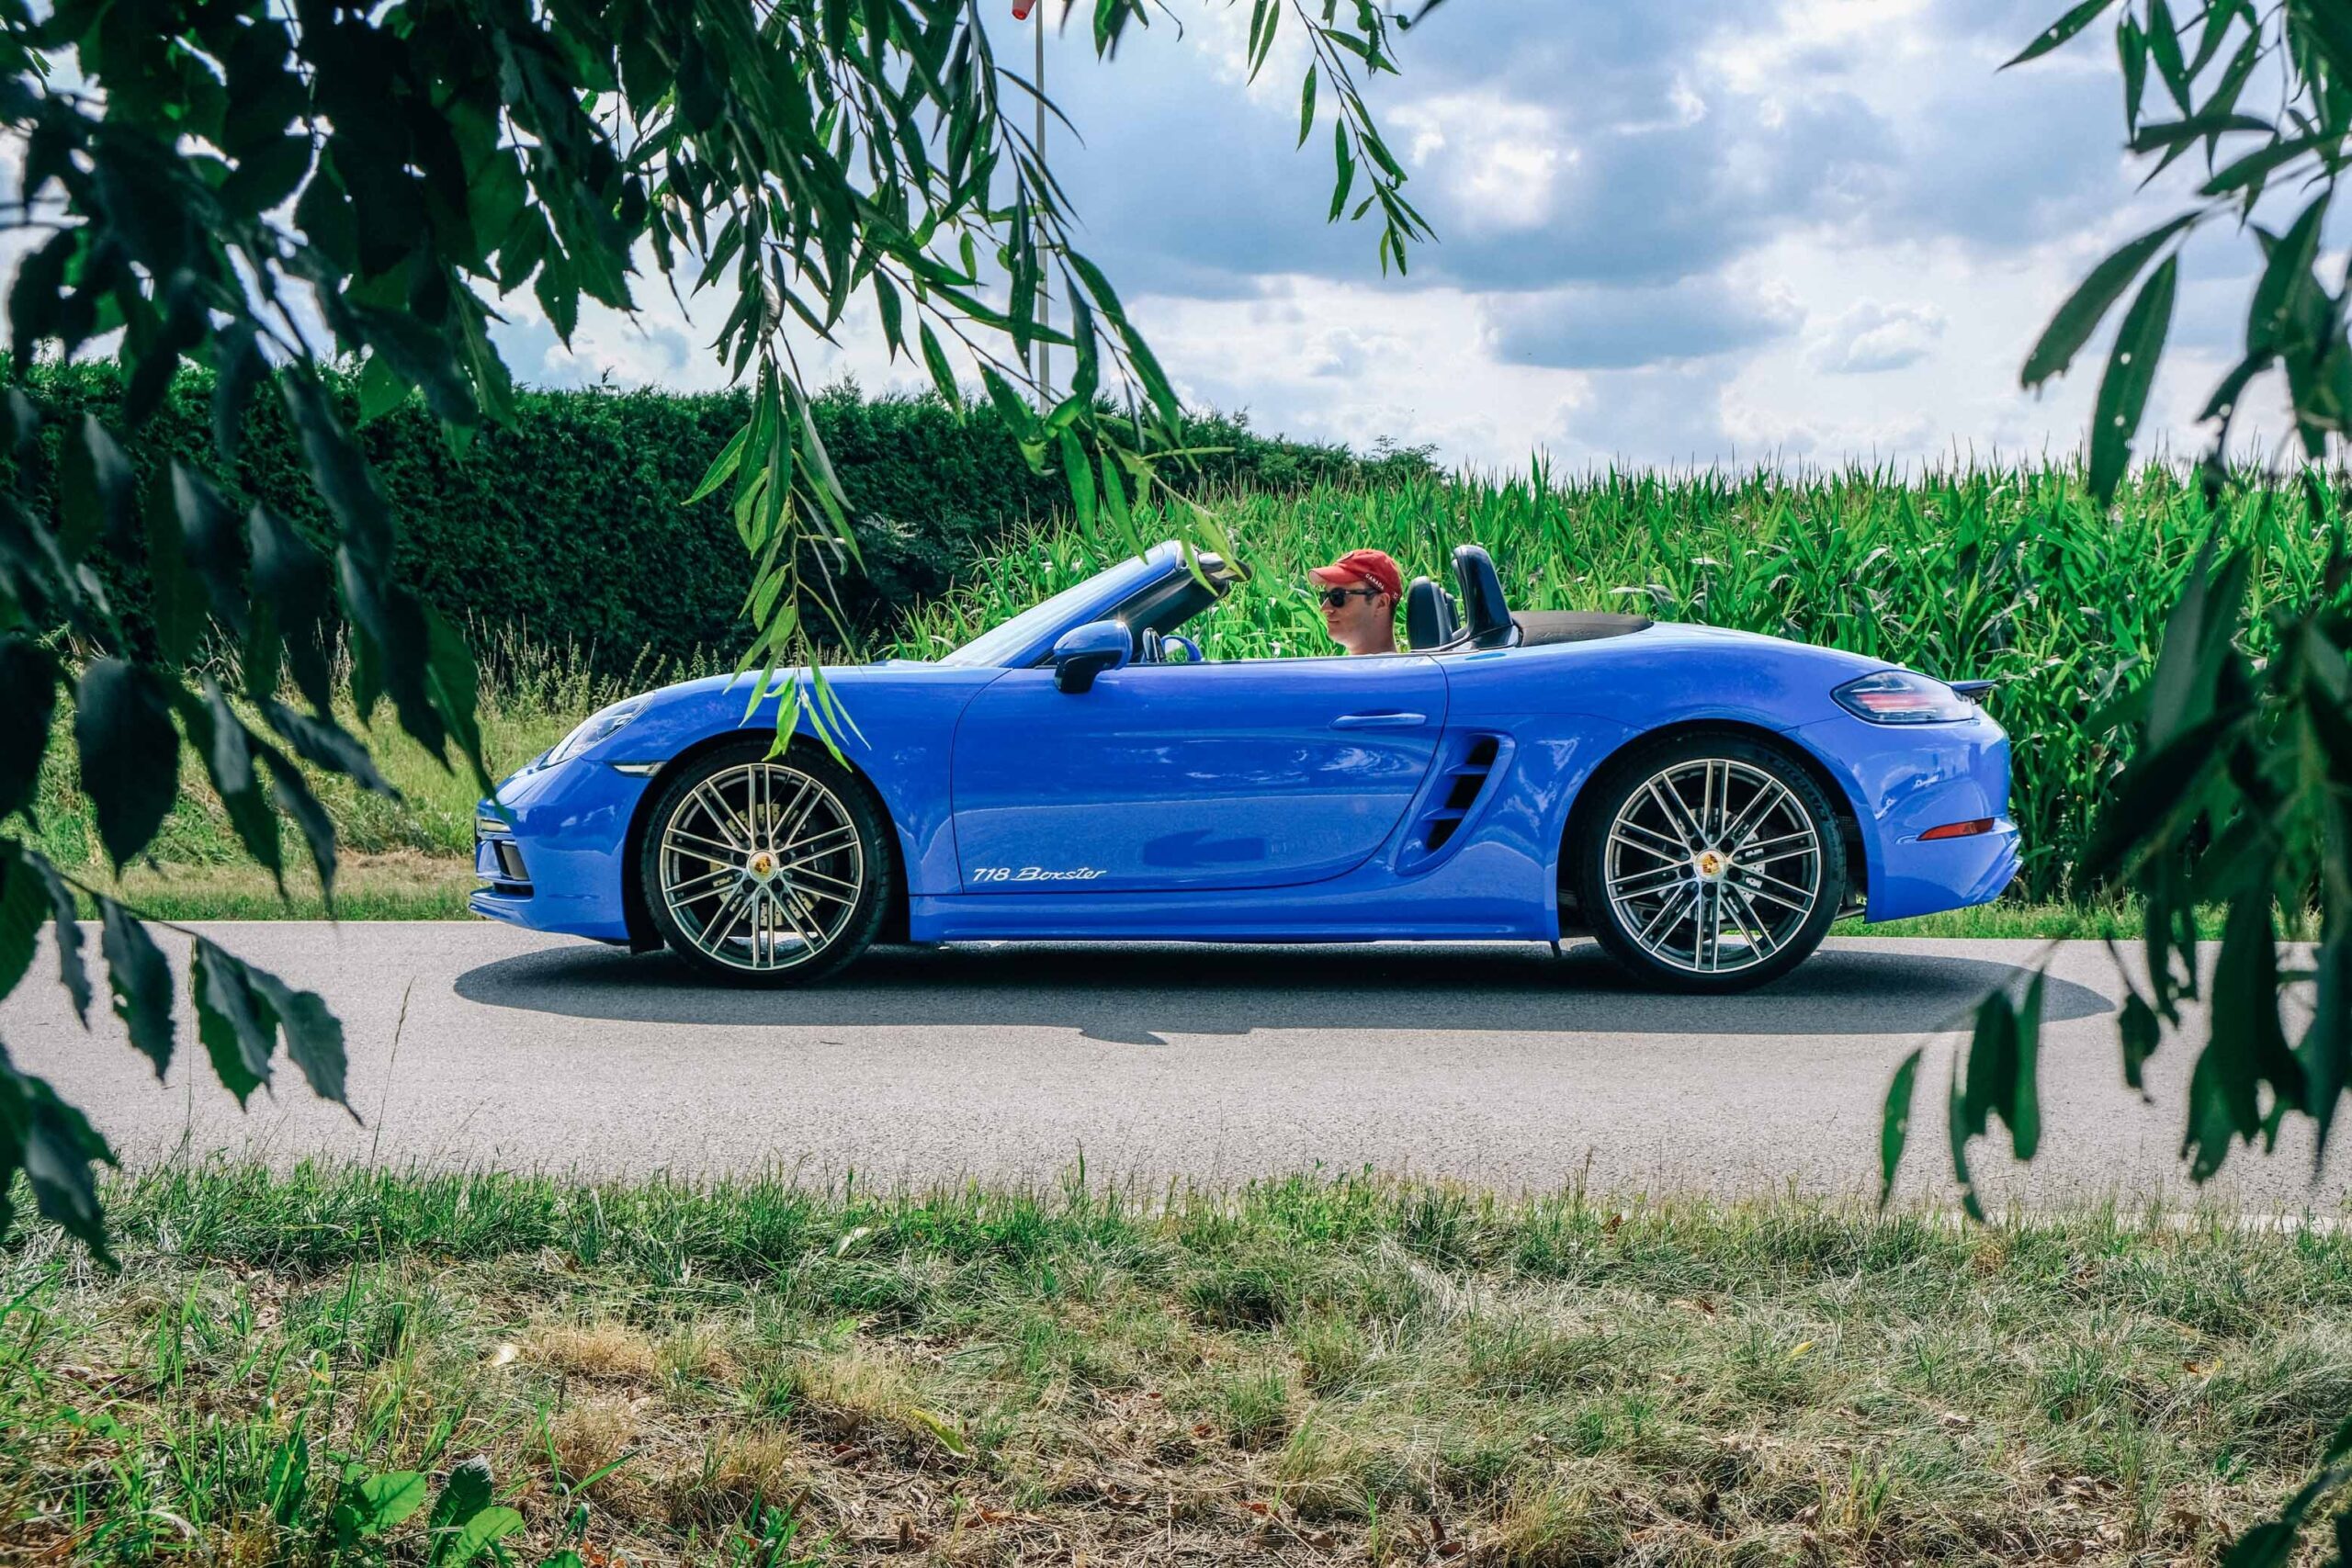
1898 696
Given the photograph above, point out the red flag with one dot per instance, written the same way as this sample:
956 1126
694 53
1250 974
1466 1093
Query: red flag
1021 9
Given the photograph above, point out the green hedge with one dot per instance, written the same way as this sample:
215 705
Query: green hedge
569 527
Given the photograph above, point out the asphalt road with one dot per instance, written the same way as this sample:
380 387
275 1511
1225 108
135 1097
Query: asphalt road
1493 1064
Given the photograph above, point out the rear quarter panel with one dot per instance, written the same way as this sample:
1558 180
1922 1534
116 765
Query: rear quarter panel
1896 781
1580 702
1668 674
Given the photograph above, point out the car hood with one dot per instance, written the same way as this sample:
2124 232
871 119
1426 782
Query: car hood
875 698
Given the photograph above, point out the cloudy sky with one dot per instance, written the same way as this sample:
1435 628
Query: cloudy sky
1691 232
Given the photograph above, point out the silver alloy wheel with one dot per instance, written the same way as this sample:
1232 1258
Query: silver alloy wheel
761 868
1713 866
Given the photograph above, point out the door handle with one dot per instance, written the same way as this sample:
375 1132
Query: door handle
1380 721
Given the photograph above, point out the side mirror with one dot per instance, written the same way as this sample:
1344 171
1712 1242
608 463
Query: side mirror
1085 653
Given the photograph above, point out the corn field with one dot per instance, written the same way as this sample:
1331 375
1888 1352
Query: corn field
2001 573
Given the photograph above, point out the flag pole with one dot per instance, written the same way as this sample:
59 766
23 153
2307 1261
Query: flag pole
1021 9
1044 276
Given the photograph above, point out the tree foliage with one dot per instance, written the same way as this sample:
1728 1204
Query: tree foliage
267 188
568 526
2240 787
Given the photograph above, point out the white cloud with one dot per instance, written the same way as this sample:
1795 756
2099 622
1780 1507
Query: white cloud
1354 363
1871 336
1502 158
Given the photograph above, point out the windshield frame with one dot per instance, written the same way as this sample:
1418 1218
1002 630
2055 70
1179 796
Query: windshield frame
1027 636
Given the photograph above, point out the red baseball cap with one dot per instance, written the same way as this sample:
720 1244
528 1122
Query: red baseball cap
1364 566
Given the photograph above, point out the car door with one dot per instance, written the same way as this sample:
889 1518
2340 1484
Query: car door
1164 777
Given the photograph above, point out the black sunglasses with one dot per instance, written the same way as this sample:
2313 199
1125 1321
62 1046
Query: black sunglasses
1337 598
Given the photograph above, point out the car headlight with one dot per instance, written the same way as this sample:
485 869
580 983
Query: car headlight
1897 696
594 727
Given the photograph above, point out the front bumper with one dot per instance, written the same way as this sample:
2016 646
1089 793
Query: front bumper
1904 780
550 849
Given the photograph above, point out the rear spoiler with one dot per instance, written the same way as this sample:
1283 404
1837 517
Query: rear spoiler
1973 690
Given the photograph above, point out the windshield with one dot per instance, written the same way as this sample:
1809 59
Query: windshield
1006 641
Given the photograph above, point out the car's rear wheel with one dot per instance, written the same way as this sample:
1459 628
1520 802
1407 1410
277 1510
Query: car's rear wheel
1708 862
766 872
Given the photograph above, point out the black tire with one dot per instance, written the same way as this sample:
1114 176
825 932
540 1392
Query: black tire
1627 883
799 914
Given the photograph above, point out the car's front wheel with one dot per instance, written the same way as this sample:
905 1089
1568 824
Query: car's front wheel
767 871
1708 862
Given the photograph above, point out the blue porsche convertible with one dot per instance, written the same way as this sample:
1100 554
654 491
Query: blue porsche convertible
1702 802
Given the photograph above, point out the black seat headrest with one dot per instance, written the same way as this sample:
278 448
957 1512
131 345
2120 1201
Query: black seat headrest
1428 616
1485 617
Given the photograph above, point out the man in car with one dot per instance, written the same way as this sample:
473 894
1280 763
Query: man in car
1359 592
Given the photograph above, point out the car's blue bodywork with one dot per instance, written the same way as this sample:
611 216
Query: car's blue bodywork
1410 795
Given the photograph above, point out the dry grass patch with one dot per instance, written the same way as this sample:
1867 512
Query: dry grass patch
760 1464
864 1393
609 1352
592 1435
739 1476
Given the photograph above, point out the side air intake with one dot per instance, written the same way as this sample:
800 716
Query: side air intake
1460 784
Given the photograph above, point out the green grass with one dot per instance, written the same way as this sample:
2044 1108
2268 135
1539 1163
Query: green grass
2016 919
405 858
395 886
1311 1369
2005 573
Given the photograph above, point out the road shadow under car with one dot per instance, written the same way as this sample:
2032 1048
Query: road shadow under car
1138 995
